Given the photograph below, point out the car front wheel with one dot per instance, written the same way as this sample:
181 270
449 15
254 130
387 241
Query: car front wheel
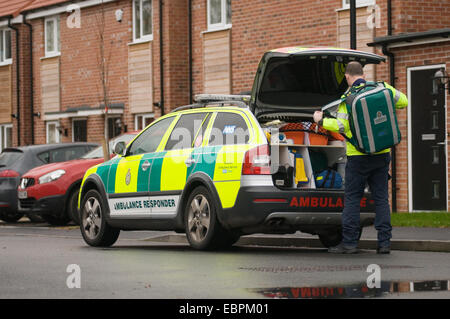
10 217
94 228
56 220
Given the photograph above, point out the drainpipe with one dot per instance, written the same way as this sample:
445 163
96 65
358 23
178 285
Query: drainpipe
161 59
190 50
353 24
17 115
30 27
392 80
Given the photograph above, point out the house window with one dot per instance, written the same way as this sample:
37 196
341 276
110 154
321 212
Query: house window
5 46
359 3
52 132
219 14
5 136
142 20
52 39
142 120
79 130
114 127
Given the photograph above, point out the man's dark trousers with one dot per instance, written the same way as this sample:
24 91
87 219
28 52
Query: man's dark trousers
374 170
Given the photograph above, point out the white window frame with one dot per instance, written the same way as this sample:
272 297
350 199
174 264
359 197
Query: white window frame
359 3
223 24
3 128
3 59
56 36
144 117
58 135
142 38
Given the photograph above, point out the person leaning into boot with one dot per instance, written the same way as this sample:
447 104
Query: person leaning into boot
361 169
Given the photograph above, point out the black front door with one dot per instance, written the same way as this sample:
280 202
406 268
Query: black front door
428 132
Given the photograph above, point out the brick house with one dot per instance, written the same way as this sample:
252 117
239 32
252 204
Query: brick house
214 46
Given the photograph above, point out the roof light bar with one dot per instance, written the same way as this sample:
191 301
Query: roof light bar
201 98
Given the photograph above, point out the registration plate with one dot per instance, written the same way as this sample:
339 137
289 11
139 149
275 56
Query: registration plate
23 194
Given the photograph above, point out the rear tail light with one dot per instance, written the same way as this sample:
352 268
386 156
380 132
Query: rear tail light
257 161
9 173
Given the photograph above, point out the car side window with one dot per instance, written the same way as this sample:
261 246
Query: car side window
183 133
229 129
201 132
75 152
44 157
66 154
149 140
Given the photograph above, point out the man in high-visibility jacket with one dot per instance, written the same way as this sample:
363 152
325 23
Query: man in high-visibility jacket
361 169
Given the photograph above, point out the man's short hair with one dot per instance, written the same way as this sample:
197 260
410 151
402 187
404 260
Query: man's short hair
354 68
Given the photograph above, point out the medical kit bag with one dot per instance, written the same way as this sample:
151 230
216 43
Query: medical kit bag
328 179
372 118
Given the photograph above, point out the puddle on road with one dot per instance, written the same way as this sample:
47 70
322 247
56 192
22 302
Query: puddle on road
355 290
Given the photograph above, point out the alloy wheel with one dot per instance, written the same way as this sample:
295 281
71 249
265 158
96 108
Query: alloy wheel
199 218
92 218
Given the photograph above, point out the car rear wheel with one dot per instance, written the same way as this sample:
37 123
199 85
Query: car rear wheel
203 229
333 237
94 228
10 217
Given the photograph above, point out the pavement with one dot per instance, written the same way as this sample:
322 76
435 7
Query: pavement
403 238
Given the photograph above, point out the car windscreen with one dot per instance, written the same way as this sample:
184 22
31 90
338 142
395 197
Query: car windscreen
302 82
8 158
98 152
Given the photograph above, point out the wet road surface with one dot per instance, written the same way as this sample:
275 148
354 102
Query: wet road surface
34 263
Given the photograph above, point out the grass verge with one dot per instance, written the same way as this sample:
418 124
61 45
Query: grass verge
435 219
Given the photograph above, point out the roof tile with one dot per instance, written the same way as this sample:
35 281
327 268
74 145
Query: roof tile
37 4
13 7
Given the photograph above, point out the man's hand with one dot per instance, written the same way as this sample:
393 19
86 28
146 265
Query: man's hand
318 115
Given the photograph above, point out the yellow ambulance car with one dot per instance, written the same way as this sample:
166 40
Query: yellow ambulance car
212 169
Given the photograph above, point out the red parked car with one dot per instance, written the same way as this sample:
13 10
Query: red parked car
51 191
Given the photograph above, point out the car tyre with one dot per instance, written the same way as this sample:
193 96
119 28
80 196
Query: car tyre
331 238
10 217
72 207
35 218
56 220
203 229
334 237
95 230
228 240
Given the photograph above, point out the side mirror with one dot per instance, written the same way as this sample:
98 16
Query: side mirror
119 148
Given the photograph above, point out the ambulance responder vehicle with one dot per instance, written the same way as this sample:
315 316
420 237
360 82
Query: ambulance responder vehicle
222 168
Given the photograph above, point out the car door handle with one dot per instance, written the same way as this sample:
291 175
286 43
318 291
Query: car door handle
145 165
189 161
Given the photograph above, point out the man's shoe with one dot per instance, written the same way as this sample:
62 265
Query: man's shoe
384 250
341 249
